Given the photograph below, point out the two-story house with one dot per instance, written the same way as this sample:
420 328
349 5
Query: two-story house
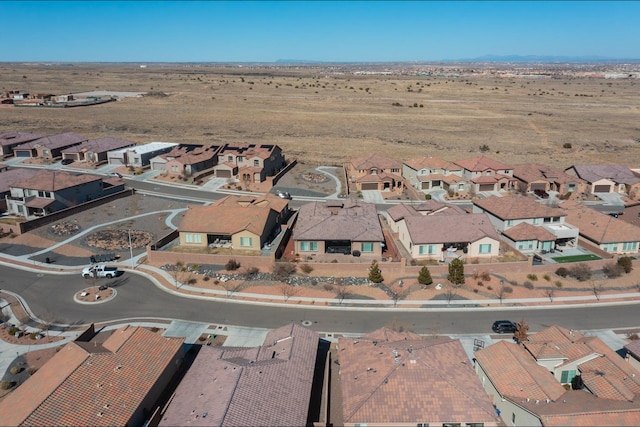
249 162
528 225
186 159
50 191
375 172
486 174
536 176
433 173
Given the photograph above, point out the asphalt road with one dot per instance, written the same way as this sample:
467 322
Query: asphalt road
50 297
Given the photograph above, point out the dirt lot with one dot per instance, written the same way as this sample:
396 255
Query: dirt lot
329 118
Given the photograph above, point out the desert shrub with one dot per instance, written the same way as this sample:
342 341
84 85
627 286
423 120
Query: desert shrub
612 270
306 268
33 335
232 265
216 282
283 269
475 261
251 271
566 145
475 275
328 287
528 285
558 284
485 276
13 330
427 196
334 261
507 290
562 272
625 262
489 287
6 385
532 276
547 277
206 278
481 284
634 337
475 291
581 272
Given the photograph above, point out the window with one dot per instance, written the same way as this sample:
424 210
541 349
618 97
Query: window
526 244
246 241
630 246
450 424
366 247
475 424
230 158
45 194
485 249
395 170
308 246
192 238
610 247
536 221
460 186
174 168
572 187
513 418
427 249
423 425
509 222
256 163
567 376
240 159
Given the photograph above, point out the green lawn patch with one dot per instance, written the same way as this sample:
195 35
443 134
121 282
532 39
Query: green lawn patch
576 258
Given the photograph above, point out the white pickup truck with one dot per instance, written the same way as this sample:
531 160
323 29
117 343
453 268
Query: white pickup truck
101 270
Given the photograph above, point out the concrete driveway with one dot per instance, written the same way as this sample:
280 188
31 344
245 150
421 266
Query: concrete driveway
372 196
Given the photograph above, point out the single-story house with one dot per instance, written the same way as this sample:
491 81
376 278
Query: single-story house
610 234
398 212
140 155
10 140
536 176
48 147
238 222
95 151
338 226
608 178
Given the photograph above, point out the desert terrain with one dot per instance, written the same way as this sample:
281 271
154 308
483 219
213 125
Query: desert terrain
322 115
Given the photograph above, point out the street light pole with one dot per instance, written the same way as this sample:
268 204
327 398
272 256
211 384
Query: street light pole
131 251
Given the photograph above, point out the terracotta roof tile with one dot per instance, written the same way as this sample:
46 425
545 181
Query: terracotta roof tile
16 138
100 145
390 377
52 180
530 172
431 163
481 163
619 174
599 227
517 207
54 141
526 231
375 161
430 207
450 228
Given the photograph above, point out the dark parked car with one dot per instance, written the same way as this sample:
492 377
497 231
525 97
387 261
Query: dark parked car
66 161
503 327
541 193
339 250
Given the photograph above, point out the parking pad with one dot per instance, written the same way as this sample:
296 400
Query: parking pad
187 330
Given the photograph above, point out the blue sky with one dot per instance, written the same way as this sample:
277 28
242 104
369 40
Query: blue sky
341 31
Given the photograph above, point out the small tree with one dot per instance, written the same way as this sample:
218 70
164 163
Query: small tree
550 293
456 272
577 383
288 291
450 294
232 286
625 262
424 276
521 334
341 290
596 289
179 267
375 274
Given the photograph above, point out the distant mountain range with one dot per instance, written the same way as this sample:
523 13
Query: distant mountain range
488 58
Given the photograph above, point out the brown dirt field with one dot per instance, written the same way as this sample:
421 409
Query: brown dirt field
326 118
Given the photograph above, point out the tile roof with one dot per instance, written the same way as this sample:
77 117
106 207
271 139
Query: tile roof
263 151
517 207
526 231
529 172
53 141
580 408
261 386
54 180
375 161
514 373
100 145
634 348
190 155
450 228
379 177
481 163
430 207
232 214
617 173
598 227
391 377
11 138
431 163
11 176
104 388
348 219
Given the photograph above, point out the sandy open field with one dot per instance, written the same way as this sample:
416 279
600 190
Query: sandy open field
325 118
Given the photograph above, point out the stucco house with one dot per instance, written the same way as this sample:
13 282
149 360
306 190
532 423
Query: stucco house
249 163
9 140
536 176
527 381
139 156
429 207
268 385
48 147
609 234
338 226
113 378
241 223
375 172
433 173
528 225
49 191
486 174
608 178
95 151
390 378
186 160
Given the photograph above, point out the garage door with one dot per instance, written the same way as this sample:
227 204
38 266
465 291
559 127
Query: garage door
538 186
23 153
223 174
116 161
486 187
370 186
602 189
